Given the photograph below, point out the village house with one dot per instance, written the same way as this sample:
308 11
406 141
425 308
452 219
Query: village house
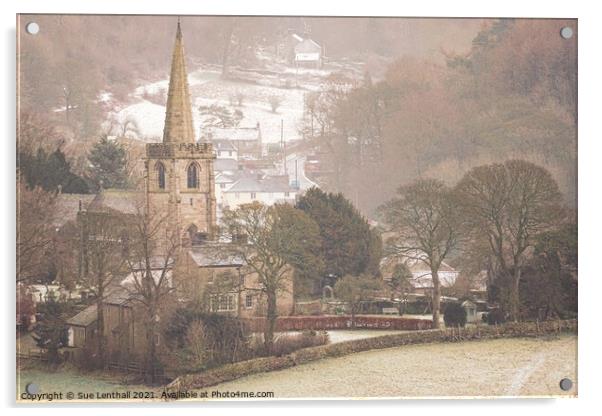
268 190
302 51
421 281
245 141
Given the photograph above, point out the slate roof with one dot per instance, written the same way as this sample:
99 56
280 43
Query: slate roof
220 165
84 318
67 207
267 184
123 201
215 255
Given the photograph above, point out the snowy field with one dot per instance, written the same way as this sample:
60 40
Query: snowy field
503 367
207 88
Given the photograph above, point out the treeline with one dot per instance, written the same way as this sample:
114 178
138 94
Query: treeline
505 219
512 96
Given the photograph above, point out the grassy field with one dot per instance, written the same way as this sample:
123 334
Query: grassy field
503 367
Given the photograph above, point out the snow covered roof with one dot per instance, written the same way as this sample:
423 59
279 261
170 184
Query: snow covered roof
267 184
308 46
222 144
213 256
221 165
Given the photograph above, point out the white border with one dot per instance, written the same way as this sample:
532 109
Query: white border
590 139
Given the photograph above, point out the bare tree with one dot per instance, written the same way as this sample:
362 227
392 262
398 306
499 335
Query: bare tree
34 231
272 240
152 252
426 228
105 245
507 205
275 101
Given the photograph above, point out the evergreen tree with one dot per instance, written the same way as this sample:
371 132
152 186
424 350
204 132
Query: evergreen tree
108 160
349 245
49 171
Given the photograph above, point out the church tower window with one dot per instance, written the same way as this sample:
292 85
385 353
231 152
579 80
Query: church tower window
160 175
193 176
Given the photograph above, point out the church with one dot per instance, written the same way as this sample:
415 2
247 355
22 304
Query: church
179 190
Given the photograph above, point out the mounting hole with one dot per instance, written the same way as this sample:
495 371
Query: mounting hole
32 388
566 384
566 32
32 28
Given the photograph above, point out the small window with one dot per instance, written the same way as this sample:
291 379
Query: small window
222 185
249 301
287 194
157 340
253 195
191 201
230 153
160 175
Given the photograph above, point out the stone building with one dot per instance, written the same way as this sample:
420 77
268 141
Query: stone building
179 171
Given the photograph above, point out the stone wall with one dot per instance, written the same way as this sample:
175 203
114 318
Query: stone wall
260 365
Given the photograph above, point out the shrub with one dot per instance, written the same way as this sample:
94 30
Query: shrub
288 343
455 315
496 316
224 338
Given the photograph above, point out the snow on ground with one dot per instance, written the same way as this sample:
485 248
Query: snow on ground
503 367
206 88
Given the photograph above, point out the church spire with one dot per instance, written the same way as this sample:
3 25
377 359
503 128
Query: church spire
178 114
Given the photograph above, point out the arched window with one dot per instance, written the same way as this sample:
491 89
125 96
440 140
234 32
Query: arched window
160 175
193 176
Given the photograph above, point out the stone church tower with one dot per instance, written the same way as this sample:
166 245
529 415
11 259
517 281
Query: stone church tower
179 171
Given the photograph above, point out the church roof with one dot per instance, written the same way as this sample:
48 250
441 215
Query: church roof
120 200
67 206
178 114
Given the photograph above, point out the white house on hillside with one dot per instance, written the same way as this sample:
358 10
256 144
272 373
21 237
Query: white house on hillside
267 190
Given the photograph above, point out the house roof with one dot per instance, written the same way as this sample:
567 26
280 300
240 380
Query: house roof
308 46
223 144
84 318
215 256
220 165
118 295
67 206
267 184
224 178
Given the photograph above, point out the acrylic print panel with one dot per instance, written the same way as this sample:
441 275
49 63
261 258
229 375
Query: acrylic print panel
270 208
